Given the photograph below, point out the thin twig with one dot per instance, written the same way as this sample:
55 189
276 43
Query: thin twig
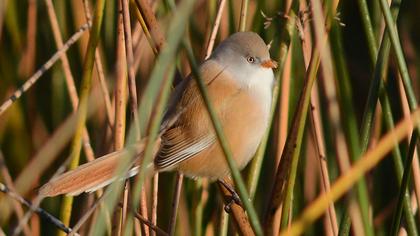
9 182
71 87
41 212
131 73
86 216
323 165
37 200
215 29
317 130
104 88
34 78
139 49
150 224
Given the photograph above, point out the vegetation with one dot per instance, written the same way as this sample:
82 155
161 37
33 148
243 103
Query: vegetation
80 79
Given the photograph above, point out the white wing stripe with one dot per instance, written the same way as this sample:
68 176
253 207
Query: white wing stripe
177 157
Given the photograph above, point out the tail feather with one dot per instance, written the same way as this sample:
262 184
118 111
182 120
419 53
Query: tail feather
132 172
90 176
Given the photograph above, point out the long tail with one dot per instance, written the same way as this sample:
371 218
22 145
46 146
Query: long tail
92 175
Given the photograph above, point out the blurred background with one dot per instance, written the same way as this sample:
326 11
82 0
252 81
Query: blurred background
36 136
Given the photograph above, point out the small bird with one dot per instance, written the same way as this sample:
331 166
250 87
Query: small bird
239 79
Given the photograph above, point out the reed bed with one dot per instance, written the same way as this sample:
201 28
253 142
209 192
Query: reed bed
81 79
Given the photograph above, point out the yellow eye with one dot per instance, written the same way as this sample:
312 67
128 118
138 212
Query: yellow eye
250 59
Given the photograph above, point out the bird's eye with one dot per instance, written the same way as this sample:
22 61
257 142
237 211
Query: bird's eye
250 59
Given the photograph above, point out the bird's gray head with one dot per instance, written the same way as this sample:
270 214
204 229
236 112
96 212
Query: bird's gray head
246 50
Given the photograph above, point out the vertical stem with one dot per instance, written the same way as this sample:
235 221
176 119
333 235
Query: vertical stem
215 29
395 41
367 26
368 161
224 223
120 105
82 111
403 189
345 224
377 86
244 13
274 209
198 207
143 210
317 131
121 85
131 73
153 218
99 68
175 203
123 216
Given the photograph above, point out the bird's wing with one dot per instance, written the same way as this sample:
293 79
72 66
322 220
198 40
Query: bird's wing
193 131
176 147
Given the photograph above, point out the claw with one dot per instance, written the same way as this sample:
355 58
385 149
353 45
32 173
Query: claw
234 198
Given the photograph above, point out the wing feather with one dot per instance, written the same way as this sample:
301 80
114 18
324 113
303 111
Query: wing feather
175 150
192 133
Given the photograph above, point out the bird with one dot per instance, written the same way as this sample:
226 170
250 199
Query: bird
239 79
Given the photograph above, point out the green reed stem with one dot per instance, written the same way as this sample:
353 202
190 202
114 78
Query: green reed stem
403 188
376 87
83 102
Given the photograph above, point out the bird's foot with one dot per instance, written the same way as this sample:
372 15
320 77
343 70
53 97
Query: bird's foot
234 198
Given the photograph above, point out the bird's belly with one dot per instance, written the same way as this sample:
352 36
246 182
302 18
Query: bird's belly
244 124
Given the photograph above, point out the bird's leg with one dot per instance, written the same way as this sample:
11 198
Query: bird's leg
234 198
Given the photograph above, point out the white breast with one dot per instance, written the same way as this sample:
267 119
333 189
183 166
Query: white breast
259 83
261 86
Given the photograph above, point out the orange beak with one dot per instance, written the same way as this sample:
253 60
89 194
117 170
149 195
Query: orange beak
269 64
